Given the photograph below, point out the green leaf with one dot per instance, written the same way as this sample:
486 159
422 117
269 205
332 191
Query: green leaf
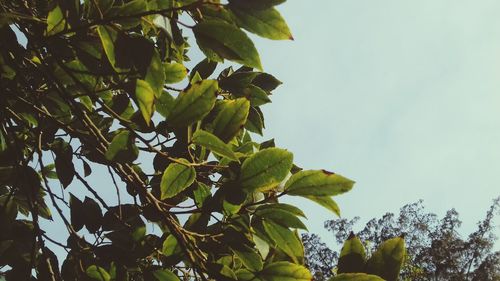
214 144
174 72
165 275
326 202
317 183
122 148
231 118
145 97
175 179
285 239
165 103
170 246
218 39
265 169
387 260
201 193
285 271
155 75
108 37
352 256
261 246
55 21
98 273
250 258
192 105
282 206
221 272
267 23
355 277
281 217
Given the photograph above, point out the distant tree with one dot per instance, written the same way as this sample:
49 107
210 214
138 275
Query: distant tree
435 248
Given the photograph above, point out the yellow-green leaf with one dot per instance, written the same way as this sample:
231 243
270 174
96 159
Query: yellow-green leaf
352 256
317 183
193 104
145 98
265 169
108 37
214 144
155 75
285 271
326 202
55 21
285 239
175 179
231 118
387 260
98 273
267 23
174 72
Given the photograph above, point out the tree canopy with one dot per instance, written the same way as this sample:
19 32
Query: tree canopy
435 248
98 91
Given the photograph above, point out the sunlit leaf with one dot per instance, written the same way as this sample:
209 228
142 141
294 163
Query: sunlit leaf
265 169
175 179
285 271
267 23
317 183
193 104
214 144
231 118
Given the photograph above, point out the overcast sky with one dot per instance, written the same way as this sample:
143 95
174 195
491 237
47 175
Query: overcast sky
401 96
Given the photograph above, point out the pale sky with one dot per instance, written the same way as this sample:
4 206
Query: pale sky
401 96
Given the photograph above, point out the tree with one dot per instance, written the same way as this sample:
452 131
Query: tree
435 249
101 86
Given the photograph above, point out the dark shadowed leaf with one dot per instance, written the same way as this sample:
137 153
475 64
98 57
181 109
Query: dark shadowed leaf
227 41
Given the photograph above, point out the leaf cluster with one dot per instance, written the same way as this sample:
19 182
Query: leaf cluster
99 90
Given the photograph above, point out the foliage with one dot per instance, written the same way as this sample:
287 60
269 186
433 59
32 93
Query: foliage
435 249
353 263
99 90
